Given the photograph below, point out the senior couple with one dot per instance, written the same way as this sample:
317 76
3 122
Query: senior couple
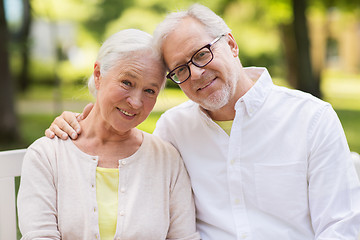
265 162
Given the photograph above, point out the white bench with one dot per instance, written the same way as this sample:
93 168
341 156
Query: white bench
10 167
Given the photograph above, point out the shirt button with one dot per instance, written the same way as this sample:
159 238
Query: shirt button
122 213
92 185
122 189
94 209
232 162
123 162
237 201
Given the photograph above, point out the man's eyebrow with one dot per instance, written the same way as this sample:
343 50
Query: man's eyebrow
191 55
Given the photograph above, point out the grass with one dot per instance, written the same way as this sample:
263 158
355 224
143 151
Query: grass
343 92
350 120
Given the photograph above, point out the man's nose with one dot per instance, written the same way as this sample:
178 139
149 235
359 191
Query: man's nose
196 72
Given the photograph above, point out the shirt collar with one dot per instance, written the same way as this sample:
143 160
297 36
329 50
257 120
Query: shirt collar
255 97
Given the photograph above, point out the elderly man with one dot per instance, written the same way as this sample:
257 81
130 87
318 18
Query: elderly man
265 162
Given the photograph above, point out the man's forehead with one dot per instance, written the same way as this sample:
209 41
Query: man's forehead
184 41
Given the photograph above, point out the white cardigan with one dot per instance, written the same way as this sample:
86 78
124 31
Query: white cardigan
57 196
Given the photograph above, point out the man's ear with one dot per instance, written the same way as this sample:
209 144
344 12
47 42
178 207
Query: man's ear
97 74
233 45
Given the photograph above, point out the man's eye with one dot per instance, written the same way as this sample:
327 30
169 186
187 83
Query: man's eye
181 70
202 55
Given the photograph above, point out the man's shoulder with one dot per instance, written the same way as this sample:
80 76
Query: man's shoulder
183 107
298 95
176 120
181 110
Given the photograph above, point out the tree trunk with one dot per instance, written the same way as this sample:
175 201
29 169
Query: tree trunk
24 80
8 121
306 79
290 54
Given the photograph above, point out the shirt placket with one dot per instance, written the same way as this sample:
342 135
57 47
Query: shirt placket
235 182
121 199
94 161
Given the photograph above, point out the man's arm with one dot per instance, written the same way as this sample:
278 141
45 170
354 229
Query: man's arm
67 124
334 189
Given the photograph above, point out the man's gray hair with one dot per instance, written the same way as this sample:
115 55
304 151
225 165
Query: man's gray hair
119 46
214 25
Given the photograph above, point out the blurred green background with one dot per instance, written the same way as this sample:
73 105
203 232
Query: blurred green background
51 46
48 47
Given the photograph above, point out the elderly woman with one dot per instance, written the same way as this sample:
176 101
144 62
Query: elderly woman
114 181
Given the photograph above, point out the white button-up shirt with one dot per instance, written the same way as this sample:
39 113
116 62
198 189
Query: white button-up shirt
284 173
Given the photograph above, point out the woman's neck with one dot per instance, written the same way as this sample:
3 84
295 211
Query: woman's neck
98 138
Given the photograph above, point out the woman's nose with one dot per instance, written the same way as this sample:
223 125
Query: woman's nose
135 99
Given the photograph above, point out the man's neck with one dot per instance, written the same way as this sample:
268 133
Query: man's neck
227 112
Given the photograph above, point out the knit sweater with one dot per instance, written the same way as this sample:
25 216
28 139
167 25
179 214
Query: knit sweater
57 196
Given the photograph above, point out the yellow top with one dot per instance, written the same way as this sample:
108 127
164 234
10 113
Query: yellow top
107 184
225 125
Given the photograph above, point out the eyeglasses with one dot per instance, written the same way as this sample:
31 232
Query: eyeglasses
201 58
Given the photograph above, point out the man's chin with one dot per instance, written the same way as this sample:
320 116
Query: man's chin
214 103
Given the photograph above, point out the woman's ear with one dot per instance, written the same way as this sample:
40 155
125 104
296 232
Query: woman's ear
97 74
233 45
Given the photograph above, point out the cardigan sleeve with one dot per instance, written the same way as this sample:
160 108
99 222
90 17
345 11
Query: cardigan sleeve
182 207
37 209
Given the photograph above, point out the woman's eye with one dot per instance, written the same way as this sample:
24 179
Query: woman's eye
150 91
127 83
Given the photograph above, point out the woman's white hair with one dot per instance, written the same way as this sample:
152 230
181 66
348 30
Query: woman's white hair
119 46
214 25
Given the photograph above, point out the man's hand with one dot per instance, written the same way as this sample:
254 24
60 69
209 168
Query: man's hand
67 124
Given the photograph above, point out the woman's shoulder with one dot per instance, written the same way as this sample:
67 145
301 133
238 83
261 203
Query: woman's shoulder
46 143
157 144
49 148
41 143
162 154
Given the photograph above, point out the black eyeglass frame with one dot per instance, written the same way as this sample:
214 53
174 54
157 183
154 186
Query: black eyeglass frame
172 72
